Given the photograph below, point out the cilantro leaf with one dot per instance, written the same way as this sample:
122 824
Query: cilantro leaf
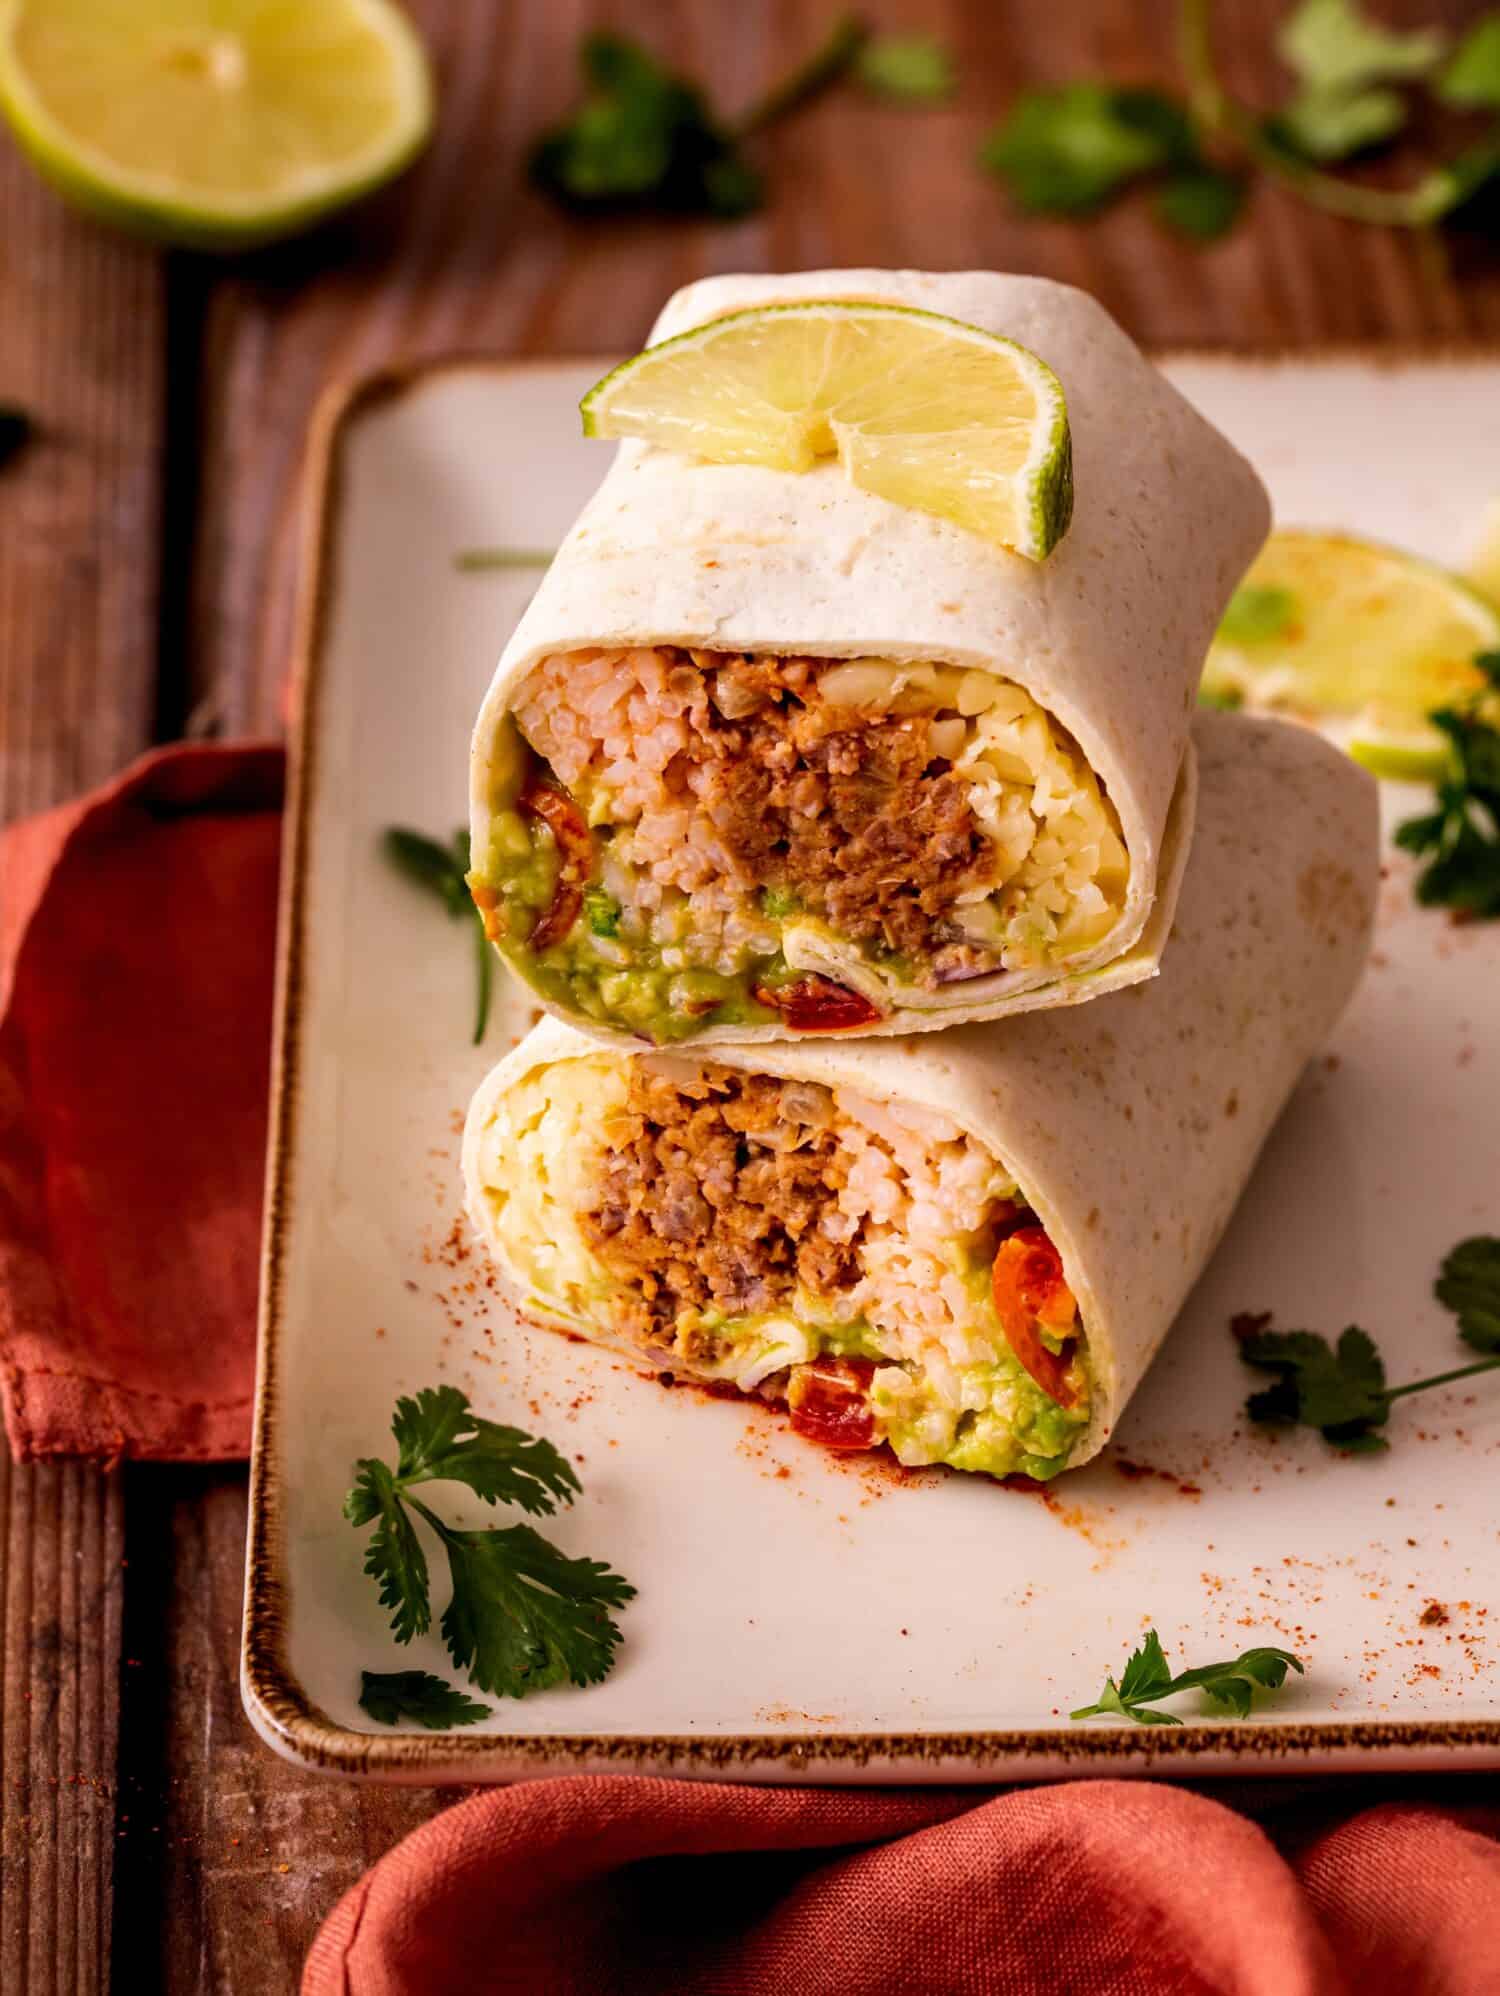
443 871
441 1440
1147 1679
1201 201
524 1616
1338 1390
394 1556
1336 124
646 138
1334 45
1470 1286
642 137
1472 78
1461 838
1257 614
1071 150
917 67
389 1696
601 911
16 429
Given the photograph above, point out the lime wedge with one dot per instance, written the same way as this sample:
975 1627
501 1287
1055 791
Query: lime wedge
921 409
1425 760
1326 624
213 123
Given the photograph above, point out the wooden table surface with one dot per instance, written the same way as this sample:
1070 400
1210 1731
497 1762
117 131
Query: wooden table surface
146 578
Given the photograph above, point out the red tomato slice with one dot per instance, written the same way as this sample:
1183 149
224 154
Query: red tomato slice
817 1005
1030 1290
575 856
829 1402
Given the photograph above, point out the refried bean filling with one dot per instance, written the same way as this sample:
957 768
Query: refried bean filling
704 1203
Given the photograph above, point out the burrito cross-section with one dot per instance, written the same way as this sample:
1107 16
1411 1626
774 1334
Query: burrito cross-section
770 755
966 1247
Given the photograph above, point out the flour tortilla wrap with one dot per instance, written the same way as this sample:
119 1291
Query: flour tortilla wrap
1124 1132
674 557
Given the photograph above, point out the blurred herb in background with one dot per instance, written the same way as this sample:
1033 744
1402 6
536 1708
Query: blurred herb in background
1073 150
647 138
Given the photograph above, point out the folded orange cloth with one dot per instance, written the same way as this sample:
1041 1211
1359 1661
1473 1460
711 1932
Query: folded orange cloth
137 943
1109 1888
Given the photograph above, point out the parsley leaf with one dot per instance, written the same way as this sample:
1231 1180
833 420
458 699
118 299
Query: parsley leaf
1341 1391
394 1556
441 1440
389 1696
917 67
1071 150
1462 836
443 870
646 138
1256 614
1472 78
1147 1679
522 1615
16 428
1469 1286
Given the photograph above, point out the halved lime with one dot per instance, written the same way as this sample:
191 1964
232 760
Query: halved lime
1328 624
1425 759
1483 567
213 123
921 409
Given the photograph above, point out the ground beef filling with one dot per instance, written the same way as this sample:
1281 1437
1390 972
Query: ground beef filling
717 1194
848 808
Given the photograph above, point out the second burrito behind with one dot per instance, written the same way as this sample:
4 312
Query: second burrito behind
969 1246
770 755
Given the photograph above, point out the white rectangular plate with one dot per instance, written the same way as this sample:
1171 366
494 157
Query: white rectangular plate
802 1617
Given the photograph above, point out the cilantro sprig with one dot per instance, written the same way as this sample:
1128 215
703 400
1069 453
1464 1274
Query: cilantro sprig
1340 1389
522 1616
442 870
1147 1678
645 137
1461 838
1073 150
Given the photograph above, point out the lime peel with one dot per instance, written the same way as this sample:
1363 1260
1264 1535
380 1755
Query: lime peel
919 408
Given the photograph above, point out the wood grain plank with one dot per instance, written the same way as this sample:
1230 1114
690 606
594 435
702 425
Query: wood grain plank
81 318
464 255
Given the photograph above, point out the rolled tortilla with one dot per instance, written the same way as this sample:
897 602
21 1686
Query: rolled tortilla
769 755
969 1245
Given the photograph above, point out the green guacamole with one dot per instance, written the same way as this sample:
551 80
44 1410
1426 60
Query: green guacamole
598 972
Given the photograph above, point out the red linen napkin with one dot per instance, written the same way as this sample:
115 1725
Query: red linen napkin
137 941
600 1885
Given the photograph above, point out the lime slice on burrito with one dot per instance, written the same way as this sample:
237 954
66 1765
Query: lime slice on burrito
213 123
920 409
1330 625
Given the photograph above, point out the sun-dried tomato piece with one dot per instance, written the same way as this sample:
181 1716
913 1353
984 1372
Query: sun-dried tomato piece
830 1402
575 857
1030 1293
817 1005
